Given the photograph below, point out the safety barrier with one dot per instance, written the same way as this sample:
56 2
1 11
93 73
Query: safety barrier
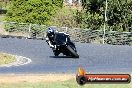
37 31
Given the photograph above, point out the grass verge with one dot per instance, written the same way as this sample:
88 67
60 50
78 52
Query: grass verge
65 84
6 58
45 82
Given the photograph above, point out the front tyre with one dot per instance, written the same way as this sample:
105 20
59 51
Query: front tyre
72 51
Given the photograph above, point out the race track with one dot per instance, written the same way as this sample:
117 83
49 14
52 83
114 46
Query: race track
93 57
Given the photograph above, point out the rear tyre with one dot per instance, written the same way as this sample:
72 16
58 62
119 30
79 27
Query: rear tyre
73 52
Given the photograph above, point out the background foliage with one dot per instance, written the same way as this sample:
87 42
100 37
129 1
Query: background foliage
119 14
33 11
91 16
64 18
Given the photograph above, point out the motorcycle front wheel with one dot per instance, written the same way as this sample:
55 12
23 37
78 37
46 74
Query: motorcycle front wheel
72 51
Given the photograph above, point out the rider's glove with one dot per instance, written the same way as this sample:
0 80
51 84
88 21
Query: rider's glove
46 38
51 46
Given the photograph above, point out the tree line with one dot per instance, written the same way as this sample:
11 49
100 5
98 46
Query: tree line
32 11
119 13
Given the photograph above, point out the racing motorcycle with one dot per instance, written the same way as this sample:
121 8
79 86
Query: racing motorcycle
64 45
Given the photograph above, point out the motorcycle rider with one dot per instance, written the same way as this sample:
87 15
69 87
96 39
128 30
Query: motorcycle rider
51 32
50 37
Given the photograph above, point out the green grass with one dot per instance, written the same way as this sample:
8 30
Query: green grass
6 58
2 17
65 84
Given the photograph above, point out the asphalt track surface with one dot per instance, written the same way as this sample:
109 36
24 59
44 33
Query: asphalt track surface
94 58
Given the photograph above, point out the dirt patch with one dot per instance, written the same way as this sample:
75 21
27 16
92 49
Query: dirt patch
35 78
19 34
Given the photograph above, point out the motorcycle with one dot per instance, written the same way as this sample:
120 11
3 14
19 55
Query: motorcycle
64 45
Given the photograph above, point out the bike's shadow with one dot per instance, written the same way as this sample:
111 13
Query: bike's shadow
63 57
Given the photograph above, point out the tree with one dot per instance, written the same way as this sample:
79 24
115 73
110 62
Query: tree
33 11
92 14
119 14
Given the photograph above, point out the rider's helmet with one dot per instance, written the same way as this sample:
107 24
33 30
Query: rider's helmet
51 32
